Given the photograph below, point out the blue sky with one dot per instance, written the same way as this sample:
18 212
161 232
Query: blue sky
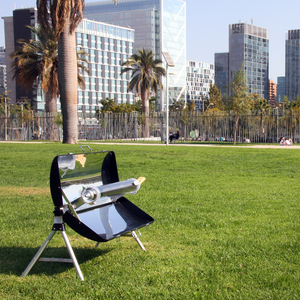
207 25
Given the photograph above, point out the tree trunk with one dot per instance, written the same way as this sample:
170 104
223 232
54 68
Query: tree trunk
67 76
235 128
51 105
51 110
145 108
261 125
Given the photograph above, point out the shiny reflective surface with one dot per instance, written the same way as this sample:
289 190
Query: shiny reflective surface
93 196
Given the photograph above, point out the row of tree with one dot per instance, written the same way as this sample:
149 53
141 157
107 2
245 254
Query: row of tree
52 60
48 61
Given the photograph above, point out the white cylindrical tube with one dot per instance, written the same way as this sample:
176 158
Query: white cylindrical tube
130 186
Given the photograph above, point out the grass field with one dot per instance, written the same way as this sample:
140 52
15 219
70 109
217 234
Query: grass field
226 226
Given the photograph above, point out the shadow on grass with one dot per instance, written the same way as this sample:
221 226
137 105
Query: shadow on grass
14 260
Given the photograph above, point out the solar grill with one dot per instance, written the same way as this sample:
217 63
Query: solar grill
89 197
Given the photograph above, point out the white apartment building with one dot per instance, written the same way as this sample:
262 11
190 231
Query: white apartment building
198 80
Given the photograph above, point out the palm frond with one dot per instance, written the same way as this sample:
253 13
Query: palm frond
59 13
145 71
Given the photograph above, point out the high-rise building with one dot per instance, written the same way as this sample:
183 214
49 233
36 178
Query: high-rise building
198 80
280 88
160 25
15 28
272 93
248 47
292 64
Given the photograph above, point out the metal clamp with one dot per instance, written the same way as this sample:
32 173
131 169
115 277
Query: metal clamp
139 233
81 147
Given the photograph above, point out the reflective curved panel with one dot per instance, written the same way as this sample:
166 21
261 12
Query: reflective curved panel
87 188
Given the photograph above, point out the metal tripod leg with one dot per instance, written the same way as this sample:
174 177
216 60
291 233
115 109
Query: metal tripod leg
36 257
137 239
75 263
70 250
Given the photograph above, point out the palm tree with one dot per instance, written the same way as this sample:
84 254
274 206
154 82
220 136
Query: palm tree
65 15
36 60
146 72
263 106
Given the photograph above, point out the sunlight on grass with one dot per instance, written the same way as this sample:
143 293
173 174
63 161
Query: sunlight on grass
226 226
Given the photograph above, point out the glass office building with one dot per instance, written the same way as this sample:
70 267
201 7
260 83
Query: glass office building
221 72
292 64
249 45
280 88
160 25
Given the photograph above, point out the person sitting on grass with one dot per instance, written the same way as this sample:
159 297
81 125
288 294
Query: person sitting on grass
176 135
171 136
282 141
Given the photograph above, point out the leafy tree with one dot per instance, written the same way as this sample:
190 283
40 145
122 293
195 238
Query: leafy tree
296 103
64 16
190 106
177 105
152 103
286 104
215 97
4 111
3 103
137 106
240 99
26 114
145 76
107 105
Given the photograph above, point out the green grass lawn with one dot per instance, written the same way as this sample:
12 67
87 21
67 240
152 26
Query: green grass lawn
226 226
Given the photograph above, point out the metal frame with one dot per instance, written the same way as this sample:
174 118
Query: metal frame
66 213
57 226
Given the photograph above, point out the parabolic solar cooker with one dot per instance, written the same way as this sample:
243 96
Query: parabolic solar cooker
89 197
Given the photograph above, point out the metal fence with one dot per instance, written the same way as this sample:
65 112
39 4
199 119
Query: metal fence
210 126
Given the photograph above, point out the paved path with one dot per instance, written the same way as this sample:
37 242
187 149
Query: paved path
270 146
206 145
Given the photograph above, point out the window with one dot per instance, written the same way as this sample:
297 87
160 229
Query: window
123 46
118 46
85 40
112 72
118 32
98 42
112 30
92 55
93 83
100 85
93 41
99 70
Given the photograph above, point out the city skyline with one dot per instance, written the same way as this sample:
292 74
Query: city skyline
207 26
